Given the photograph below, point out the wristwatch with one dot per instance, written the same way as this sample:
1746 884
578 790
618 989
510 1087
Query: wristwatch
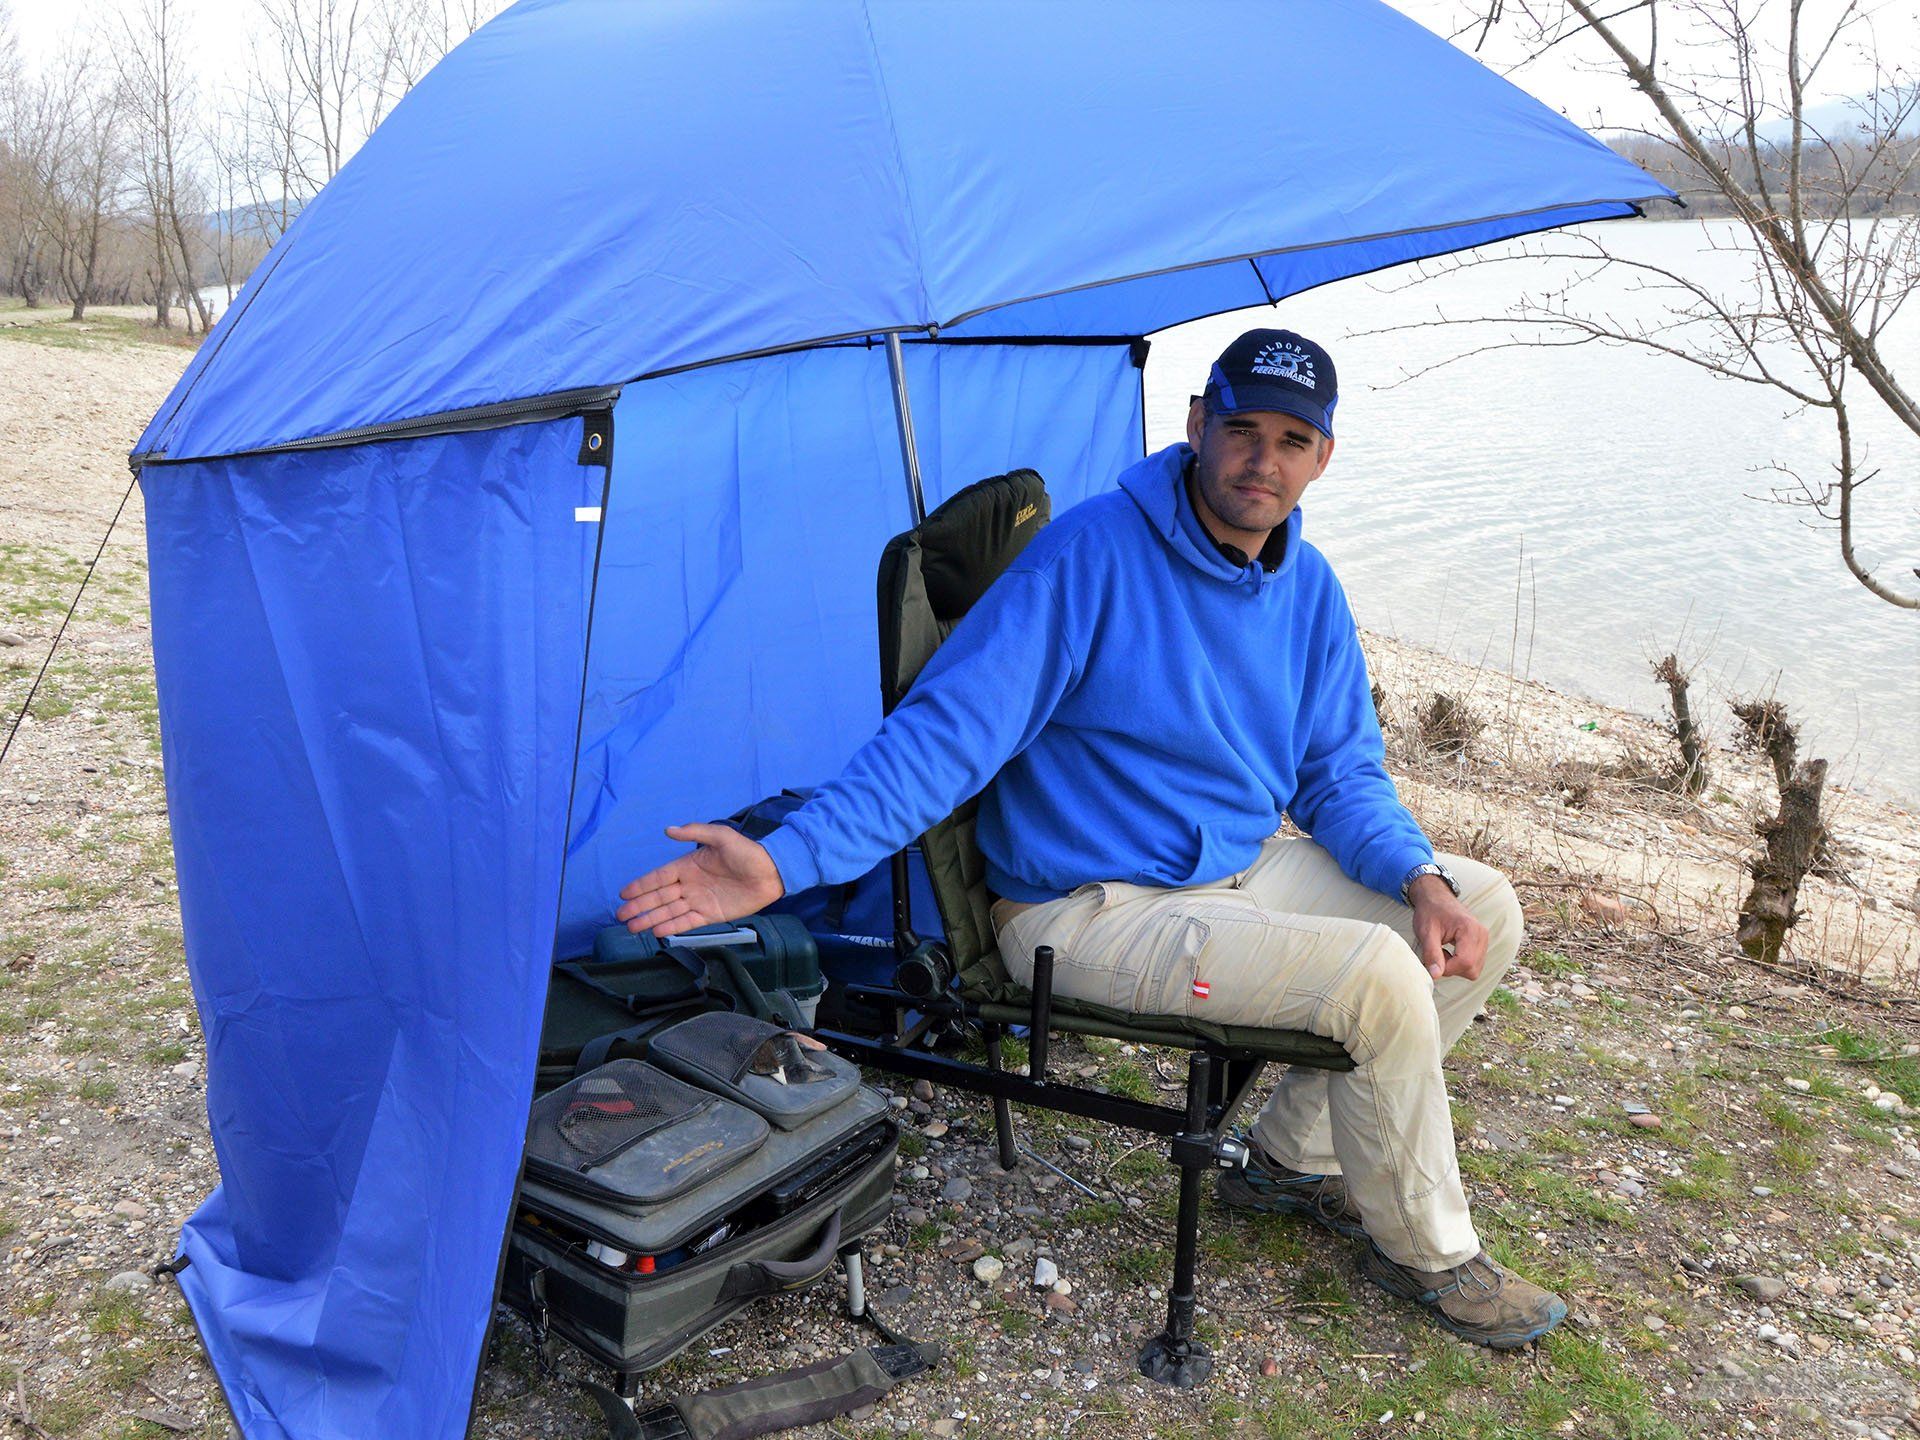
1430 867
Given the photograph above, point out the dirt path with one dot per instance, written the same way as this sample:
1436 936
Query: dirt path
1785 1150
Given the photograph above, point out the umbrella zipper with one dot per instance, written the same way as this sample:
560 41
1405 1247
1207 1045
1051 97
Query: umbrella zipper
556 406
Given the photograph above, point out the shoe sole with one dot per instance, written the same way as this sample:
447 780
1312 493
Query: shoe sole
1233 1190
1390 1282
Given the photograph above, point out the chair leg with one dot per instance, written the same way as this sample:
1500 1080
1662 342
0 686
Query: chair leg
1174 1357
1002 1109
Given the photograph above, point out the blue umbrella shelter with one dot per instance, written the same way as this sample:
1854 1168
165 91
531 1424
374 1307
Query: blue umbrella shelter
529 499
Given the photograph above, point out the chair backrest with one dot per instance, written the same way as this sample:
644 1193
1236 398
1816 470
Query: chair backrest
929 578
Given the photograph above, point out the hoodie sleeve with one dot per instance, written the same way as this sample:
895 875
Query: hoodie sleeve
980 701
1343 795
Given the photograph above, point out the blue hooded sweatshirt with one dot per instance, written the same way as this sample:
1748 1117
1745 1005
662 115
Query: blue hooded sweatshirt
1136 707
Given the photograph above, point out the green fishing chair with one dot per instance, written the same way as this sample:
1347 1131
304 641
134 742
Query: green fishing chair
929 578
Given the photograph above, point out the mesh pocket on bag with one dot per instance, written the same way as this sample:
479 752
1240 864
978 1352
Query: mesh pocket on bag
732 1047
588 1122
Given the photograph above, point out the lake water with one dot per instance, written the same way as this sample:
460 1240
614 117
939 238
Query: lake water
1615 486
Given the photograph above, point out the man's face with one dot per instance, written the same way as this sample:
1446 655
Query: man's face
1252 468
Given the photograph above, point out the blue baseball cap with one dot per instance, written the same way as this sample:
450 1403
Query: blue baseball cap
1274 370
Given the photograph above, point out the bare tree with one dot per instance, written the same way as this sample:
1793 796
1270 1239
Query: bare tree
1827 213
34 136
157 82
89 180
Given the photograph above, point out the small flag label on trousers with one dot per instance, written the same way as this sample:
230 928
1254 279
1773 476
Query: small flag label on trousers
1201 989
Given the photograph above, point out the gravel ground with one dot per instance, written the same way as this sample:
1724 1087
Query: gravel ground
1716 1163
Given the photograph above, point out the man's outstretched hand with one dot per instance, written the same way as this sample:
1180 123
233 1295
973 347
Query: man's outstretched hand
726 877
1440 920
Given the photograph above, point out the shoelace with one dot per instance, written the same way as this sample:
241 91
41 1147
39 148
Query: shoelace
1331 1202
1467 1278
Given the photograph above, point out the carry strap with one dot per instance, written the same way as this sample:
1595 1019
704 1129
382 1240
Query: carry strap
805 1395
597 1051
779 1009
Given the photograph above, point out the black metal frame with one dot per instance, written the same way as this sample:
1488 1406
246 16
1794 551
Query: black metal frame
1219 1080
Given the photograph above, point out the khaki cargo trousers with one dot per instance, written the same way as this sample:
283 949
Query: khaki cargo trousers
1291 943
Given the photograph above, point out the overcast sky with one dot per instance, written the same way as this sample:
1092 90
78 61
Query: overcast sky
1570 78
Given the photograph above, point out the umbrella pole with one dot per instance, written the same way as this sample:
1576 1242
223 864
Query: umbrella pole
903 416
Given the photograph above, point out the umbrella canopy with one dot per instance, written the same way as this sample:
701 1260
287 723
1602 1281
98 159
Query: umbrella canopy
380 532
590 191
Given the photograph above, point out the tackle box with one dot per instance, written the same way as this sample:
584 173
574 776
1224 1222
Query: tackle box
662 1196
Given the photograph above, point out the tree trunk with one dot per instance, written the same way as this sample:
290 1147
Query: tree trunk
1793 838
1692 778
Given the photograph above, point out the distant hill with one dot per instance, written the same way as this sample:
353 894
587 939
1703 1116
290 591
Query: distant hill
249 220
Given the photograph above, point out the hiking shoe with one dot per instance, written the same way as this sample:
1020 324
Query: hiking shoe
1267 1185
1481 1300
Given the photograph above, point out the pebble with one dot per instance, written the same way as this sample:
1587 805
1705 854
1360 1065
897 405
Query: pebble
914 1172
1634 1107
1500 1139
914 1215
1045 1272
1644 1122
1019 1249
934 1129
897 1102
132 1209
988 1269
129 1282
1269 1367
1801 1086
1763 1190
1886 1100
1060 1304
923 1090
1764 1288
957 1190
1566 1100
1079 1143
1730 1369
186 1068
1653 1322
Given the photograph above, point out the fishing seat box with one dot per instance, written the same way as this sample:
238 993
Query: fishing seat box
737 1182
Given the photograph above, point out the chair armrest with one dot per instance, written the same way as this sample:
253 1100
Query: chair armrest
1042 1013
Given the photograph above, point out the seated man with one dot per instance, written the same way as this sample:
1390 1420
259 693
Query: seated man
1160 675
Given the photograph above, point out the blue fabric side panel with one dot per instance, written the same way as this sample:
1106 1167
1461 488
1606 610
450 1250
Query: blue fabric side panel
734 648
369 666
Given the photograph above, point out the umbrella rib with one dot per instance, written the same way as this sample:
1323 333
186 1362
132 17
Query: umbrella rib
899 159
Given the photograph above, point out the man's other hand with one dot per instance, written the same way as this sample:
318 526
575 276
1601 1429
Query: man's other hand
726 877
1440 921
